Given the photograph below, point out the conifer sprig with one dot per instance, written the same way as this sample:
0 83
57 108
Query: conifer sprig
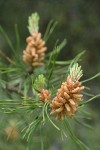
33 92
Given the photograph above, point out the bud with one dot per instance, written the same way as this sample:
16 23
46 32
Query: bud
33 23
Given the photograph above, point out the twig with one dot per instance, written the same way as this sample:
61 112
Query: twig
14 89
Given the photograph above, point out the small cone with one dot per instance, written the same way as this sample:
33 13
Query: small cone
67 98
34 53
12 132
45 95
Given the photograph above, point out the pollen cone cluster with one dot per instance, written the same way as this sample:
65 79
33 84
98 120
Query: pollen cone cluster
35 51
44 95
67 98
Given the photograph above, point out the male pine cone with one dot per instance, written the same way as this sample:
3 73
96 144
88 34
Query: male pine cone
67 98
34 53
44 95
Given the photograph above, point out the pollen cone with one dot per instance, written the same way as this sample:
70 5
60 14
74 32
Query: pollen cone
12 132
67 98
34 53
44 95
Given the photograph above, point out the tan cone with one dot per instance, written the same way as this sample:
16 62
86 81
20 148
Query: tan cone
12 132
34 53
44 95
67 98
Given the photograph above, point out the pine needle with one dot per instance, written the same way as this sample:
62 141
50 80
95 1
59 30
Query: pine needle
95 76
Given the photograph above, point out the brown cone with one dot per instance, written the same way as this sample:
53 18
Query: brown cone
67 98
35 50
12 132
44 95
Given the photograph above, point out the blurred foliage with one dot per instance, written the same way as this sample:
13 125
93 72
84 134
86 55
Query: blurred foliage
79 22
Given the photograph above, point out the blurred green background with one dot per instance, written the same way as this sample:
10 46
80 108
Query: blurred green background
79 22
